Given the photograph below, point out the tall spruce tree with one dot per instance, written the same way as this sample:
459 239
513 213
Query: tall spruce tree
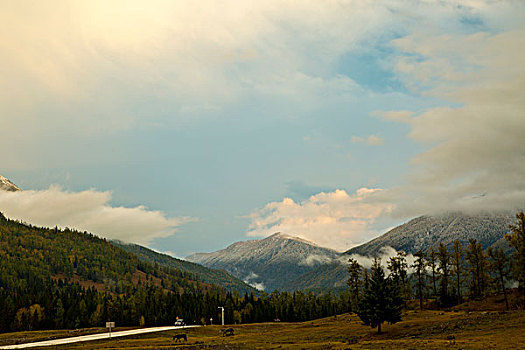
517 240
419 267
444 267
381 301
354 282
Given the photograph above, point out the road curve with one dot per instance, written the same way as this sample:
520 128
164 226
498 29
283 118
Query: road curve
91 337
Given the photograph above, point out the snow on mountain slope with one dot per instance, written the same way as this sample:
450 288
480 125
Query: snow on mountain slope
6 185
269 263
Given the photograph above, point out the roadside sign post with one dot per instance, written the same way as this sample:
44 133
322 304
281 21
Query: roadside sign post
110 325
222 314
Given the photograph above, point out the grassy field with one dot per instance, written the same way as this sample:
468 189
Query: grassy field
473 325
427 329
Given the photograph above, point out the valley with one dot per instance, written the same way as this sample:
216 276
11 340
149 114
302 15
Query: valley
485 326
341 174
53 278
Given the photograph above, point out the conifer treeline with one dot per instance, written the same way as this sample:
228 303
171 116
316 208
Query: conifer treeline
444 276
41 272
440 274
56 305
450 276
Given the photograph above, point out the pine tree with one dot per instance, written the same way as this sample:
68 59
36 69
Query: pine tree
478 269
397 266
500 264
517 241
366 279
457 258
59 314
354 282
36 316
444 267
381 301
432 257
419 266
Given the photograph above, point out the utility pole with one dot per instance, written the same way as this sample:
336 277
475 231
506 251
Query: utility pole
222 314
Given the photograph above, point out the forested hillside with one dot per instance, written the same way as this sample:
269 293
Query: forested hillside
63 278
218 277
52 279
28 252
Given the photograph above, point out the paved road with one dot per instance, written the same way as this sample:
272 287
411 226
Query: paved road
90 337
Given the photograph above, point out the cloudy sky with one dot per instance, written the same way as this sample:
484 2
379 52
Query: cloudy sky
188 125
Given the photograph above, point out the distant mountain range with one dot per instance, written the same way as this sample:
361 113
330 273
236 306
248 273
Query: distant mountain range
289 263
271 263
422 233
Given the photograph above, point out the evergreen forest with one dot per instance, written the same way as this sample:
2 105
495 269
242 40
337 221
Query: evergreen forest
53 279
438 278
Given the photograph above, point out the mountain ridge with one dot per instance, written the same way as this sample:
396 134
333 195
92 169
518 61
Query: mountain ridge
207 275
328 270
428 231
423 232
8 185
271 262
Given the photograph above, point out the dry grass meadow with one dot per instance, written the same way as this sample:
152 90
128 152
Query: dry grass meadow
474 325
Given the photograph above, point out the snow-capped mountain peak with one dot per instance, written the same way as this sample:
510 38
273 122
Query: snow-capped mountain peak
280 235
269 263
6 185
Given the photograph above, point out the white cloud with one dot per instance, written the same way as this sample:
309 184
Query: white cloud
251 280
75 68
357 139
316 259
475 149
78 52
371 140
79 70
397 116
335 219
88 211
385 253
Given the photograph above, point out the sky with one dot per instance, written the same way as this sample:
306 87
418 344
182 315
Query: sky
186 126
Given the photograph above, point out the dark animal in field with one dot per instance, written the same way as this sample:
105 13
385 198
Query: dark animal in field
180 337
226 332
